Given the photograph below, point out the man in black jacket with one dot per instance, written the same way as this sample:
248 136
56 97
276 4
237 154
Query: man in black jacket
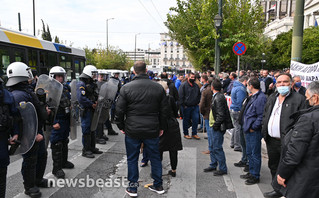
297 171
189 98
277 121
298 87
219 122
141 114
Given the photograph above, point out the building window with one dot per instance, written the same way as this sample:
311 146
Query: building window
171 55
165 49
177 55
177 63
177 50
165 63
165 55
171 63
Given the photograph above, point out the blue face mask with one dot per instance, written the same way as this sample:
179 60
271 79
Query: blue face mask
283 90
298 84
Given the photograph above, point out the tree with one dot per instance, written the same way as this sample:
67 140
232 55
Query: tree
280 51
114 59
191 23
46 35
56 39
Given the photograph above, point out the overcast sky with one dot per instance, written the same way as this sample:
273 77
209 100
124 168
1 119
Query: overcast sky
83 22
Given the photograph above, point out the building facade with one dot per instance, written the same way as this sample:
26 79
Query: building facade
172 53
280 15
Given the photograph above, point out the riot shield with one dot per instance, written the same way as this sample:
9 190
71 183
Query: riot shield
75 111
106 97
29 129
53 92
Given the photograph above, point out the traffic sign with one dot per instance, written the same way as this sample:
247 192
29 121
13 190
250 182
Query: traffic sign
239 48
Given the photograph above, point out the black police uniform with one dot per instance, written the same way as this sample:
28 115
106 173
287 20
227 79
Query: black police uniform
34 161
7 111
87 96
59 138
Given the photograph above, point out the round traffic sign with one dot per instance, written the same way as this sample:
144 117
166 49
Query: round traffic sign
239 48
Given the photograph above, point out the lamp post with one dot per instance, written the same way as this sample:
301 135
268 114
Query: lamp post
107 35
263 61
135 47
33 18
218 24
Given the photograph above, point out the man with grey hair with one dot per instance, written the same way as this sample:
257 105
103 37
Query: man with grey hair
277 121
296 172
238 95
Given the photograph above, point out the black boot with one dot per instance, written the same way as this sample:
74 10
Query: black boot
86 151
65 151
29 171
111 131
105 137
41 165
57 160
93 147
33 192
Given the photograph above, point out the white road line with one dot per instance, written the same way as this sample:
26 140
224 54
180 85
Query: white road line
184 184
81 163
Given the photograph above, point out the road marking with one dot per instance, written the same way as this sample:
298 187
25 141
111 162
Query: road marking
184 184
81 163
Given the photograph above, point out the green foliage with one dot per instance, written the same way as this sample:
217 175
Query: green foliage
191 23
46 35
113 59
280 51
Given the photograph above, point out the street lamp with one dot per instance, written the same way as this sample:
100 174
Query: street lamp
107 35
218 24
135 47
33 18
263 61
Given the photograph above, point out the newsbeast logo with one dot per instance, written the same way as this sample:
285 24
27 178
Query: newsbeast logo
88 182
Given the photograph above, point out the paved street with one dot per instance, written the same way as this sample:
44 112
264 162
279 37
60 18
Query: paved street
111 166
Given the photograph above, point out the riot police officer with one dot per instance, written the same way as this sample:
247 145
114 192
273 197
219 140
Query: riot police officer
59 138
7 111
100 136
87 97
34 161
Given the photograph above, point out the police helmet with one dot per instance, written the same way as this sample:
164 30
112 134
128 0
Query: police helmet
57 70
18 72
89 71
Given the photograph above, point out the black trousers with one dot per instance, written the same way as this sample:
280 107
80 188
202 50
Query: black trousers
173 158
3 181
274 152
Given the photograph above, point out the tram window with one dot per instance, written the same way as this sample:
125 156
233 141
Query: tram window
52 59
32 58
77 68
19 55
43 60
44 70
5 60
65 61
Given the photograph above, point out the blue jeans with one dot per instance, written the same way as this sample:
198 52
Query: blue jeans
217 154
151 147
213 162
201 121
253 149
145 157
191 113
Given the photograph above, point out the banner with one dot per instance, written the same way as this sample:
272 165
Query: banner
307 73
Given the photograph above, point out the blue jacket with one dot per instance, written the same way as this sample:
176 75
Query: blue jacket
178 83
253 113
238 94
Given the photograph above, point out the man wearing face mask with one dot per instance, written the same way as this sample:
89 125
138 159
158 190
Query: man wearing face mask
298 87
189 98
277 121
